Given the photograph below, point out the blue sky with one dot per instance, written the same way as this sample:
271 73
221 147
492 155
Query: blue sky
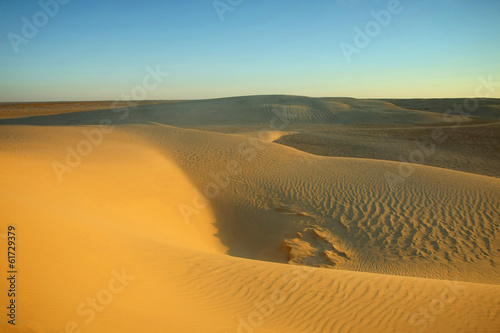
99 50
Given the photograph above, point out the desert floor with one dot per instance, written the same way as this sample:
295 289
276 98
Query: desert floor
253 214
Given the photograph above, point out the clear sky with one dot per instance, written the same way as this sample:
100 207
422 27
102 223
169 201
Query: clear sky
99 50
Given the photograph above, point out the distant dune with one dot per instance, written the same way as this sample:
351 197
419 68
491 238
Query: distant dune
255 110
256 214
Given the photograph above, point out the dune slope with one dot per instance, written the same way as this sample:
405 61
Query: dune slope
136 237
431 224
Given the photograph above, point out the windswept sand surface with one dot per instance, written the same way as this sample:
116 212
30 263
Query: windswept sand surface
178 221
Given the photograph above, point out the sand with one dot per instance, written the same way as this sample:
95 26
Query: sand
166 222
23 110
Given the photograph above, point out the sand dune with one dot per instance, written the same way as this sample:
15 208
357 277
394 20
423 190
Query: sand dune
471 148
435 220
258 110
343 127
159 228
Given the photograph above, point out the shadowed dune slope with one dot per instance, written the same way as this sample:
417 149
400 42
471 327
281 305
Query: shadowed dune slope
473 148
